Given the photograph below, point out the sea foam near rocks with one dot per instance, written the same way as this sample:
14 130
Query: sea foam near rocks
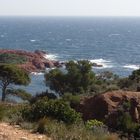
37 73
51 56
133 67
103 62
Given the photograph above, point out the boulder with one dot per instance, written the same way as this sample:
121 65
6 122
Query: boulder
105 107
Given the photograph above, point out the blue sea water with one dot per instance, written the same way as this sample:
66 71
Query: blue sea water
112 42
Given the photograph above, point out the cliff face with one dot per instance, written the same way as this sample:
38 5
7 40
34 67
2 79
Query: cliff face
35 60
105 106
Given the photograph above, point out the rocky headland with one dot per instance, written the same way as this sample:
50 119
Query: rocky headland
36 60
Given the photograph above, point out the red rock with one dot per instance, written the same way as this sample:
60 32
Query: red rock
105 107
35 60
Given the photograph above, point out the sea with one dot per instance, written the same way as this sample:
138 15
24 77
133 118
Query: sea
113 42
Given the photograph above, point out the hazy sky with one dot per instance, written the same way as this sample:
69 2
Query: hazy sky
70 7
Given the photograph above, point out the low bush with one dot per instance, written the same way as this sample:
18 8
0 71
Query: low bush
57 109
44 95
60 131
56 129
96 126
28 125
73 100
91 123
11 113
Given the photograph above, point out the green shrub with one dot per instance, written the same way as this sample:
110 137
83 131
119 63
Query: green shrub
44 95
57 109
125 83
11 113
91 123
73 100
126 124
96 126
12 58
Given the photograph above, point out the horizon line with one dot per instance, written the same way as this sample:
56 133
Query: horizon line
115 16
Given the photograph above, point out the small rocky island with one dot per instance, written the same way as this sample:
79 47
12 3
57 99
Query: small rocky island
30 61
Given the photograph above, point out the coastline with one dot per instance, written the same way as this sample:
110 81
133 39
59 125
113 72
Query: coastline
36 61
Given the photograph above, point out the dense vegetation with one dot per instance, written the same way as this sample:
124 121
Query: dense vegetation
132 82
54 114
53 125
78 78
56 109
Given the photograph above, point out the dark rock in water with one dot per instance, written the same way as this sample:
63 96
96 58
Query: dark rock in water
49 64
58 64
105 107
36 61
39 52
96 65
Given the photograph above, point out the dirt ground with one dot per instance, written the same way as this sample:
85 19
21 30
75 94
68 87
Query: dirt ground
9 132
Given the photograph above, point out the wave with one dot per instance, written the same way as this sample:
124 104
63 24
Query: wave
103 62
51 56
134 67
32 40
68 39
113 35
37 73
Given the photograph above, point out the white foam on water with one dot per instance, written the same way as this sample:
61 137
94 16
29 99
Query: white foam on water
49 69
32 40
2 36
37 73
50 56
103 62
68 39
130 66
113 35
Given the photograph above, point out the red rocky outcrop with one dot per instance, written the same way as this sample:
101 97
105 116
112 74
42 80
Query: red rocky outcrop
35 60
105 107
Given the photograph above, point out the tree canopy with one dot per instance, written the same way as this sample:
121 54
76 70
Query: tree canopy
77 79
11 74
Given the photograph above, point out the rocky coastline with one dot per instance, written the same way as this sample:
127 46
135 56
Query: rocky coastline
36 61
